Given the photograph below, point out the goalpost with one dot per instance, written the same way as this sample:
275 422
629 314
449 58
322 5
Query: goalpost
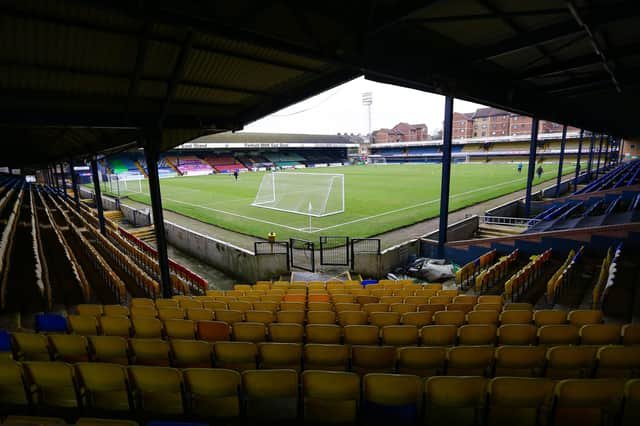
309 194
122 186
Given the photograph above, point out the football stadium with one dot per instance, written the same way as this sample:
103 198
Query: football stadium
164 260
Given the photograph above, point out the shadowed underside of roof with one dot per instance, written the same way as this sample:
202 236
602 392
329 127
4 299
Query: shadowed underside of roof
78 76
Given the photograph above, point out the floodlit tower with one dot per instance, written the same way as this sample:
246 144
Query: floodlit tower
367 100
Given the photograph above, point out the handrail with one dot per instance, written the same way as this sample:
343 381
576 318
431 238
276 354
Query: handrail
508 221
6 244
42 267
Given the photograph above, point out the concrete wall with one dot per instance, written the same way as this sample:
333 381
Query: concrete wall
371 265
461 230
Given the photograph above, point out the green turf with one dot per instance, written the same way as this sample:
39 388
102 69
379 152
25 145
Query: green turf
371 192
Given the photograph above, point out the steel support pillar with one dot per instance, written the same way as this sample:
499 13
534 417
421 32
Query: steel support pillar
446 174
563 142
599 155
64 182
532 165
74 183
152 155
98 192
54 176
621 151
590 162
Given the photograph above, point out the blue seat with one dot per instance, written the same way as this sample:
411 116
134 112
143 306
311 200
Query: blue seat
5 341
51 323
367 282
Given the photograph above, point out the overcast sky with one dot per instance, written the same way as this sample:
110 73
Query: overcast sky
340 110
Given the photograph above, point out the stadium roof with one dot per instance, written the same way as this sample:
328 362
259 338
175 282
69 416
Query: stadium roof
79 76
271 138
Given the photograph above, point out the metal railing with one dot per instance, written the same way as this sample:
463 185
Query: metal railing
508 221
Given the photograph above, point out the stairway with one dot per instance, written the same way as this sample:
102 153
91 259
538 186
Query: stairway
115 216
173 166
146 234
139 166
493 231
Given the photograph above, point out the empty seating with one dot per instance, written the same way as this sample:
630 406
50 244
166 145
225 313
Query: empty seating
271 394
422 361
238 356
584 316
600 334
53 384
477 334
147 327
249 332
151 352
391 398
31 346
105 387
517 334
565 362
191 353
330 396
109 349
213 331
618 361
586 402
518 401
558 335
521 361
158 390
454 400
470 361
400 335
323 333
286 333
438 335
281 355
212 392
326 357
361 335
372 359
69 347
13 394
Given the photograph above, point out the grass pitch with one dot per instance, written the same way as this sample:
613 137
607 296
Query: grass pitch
377 198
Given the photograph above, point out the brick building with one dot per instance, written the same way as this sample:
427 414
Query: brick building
490 122
401 132
462 125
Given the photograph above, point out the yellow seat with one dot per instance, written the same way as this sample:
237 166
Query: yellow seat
477 334
488 307
170 313
433 286
104 386
517 334
343 298
111 349
143 311
147 328
365 299
323 333
516 316
587 402
30 346
520 361
180 329
237 356
600 334
158 390
482 317
581 317
518 400
347 307
115 326
417 300
440 300
618 361
229 316
213 392
53 384
249 332
422 361
85 325
240 306
381 319
470 361
292 306
13 393
34 420
166 304
352 318
188 304
438 335
291 317
321 317
264 317
390 300
490 299
549 317
199 314
361 335
518 306
375 307
191 353
419 319
69 347
400 335
151 352
373 359
90 310
142 302
326 357
565 362
214 293
631 334
280 355
631 415
271 394
265 306
286 332
551 335
330 396
454 400
465 298
215 305
115 310
319 306
456 318
384 394
424 292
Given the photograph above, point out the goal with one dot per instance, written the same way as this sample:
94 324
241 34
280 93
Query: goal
309 194
121 186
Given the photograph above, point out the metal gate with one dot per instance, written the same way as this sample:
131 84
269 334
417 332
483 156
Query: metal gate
334 251
302 254
363 245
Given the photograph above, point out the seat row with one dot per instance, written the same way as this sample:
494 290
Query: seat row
82 421
321 396
373 284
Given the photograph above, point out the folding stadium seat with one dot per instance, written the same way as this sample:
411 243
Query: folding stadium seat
558 335
518 307
321 317
381 319
213 331
631 414
143 311
375 307
330 396
402 308
373 359
405 292
366 299
280 355
187 304
416 300
264 317
69 347
191 353
115 326
381 292
170 313
422 361
341 307
465 298
238 356
52 384
581 317
85 325
390 300
319 298
419 319
13 395
233 293
112 349
249 332
229 316
150 352
270 394
519 400
142 302
391 398
158 390
432 307
618 361
34 420
240 306
249 299
116 310
587 402
292 306
353 318
549 317
490 299
272 298
426 292
464 307
326 357
438 335
31 346
477 334
212 392
215 306
517 334
400 335
440 300
50 323
242 287
286 332
199 314
265 306
631 334
166 304
482 317
147 328
90 310
470 361
319 306
520 361
516 317
323 333
104 387
454 400
432 286
291 317
452 293
180 329
488 307
600 334
215 293
565 362
361 335
456 318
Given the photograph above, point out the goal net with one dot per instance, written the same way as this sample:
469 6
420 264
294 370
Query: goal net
121 186
309 194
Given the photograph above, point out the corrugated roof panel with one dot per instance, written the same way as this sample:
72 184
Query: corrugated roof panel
198 94
160 59
473 33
